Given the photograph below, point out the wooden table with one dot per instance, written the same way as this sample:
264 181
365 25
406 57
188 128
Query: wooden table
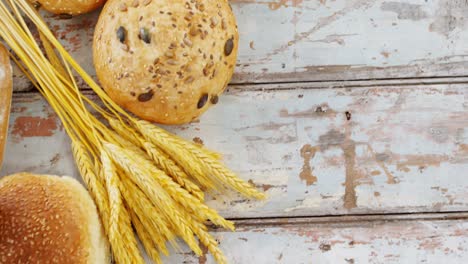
351 114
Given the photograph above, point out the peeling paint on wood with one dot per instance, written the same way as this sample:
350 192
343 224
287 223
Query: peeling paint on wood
323 40
308 153
30 126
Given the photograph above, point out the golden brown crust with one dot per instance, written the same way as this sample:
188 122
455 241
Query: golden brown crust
48 219
6 90
70 7
165 60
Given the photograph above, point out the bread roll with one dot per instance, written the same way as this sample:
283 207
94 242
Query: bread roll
69 7
166 61
49 219
6 90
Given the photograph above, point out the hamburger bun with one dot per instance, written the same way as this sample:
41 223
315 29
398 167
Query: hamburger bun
49 219
166 61
69 7
6 90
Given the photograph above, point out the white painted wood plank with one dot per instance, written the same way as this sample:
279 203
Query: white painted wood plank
430 242
403 149
310 40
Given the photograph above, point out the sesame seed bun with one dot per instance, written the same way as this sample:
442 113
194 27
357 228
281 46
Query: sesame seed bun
49 219
70 7
166 61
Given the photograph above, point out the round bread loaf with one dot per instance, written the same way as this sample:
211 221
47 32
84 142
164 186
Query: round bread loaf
69 7
49 219
166 61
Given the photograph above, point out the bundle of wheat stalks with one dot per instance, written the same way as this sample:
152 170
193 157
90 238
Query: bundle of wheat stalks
139 175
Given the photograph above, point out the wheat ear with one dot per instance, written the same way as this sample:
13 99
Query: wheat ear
206 239
212 245
171 168
149 216
215 168
153 190
95 187
181 156
121 236
145 238
180 141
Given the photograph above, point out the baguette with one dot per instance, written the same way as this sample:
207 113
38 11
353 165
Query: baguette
6 90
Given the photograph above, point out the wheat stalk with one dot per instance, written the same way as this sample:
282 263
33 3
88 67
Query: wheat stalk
124 244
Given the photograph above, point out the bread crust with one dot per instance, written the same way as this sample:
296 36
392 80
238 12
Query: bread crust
6 90
48 219
70 7
166 61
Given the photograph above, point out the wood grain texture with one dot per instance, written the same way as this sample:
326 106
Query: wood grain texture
316 40
338 151
361 242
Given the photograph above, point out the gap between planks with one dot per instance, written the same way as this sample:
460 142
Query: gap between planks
345 84
350 219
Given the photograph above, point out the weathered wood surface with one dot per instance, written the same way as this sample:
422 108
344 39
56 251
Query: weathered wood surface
430 242
306 40
315 152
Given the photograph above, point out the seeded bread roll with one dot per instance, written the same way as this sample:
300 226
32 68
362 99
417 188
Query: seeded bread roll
49 219
69 7
166 61
6 90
